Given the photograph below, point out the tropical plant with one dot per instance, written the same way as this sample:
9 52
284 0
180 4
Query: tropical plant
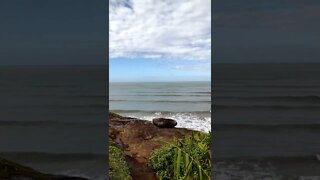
185 159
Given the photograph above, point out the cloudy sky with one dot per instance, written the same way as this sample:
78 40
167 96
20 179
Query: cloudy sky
262 31
153 40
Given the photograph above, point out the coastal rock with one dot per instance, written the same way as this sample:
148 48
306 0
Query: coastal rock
164 122
141 138
13 171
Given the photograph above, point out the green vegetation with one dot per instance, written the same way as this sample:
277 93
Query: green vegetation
188 158
118 168
114 115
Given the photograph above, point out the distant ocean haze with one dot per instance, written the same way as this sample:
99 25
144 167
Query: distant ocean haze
53 118
187 102
266 120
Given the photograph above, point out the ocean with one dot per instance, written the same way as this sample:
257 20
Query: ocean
265 117
189 103
266 121
54 118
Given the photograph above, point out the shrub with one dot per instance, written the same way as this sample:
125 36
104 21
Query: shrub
188 158
118 168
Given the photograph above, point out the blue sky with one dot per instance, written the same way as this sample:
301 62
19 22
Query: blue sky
159 40
144 70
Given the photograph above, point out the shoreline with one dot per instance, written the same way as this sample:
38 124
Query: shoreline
187 120
10 170
65 164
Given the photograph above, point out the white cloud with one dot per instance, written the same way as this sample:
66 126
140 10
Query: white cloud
160 29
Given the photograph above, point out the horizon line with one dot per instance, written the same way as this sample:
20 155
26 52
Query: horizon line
153 81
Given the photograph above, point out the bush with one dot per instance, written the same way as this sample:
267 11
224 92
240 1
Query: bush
118 168
188 158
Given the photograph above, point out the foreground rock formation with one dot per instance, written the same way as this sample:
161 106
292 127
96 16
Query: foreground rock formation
14 171
138 138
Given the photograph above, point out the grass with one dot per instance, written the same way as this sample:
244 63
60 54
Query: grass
118 168
114 115
185 159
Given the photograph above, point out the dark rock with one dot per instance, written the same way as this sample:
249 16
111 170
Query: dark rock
141 138
13 171
164 122
67 178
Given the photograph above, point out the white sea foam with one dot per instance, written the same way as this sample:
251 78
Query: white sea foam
184 119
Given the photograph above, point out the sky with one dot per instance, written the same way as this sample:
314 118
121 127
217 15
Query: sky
152 40
264 31
58 32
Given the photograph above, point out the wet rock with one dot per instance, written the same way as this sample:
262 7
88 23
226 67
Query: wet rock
164 122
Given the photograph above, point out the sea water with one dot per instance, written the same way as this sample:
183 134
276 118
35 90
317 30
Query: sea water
266 121
54 118
189 103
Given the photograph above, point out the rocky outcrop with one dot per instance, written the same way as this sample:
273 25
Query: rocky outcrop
138 138
13 171
164 122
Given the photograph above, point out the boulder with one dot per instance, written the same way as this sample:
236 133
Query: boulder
164 122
